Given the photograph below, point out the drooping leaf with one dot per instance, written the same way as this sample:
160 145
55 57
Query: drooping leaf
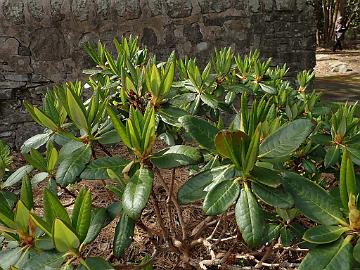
323 234
249 218
221 197
97 169
286 139
64 238
176 156
137 193
266 176
332 156
26 194
71 167
356 252
9 257
124 232
313 200
171 115
202 131
42 224
194 188
22 217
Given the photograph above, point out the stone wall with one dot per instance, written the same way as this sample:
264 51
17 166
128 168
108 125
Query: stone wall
41 40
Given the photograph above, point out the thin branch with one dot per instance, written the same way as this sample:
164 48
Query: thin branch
176 204
103 148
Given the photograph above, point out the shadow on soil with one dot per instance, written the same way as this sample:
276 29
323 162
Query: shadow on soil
339 88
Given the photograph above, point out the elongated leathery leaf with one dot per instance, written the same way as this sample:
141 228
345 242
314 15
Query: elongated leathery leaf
313 200
286 139
97 169
333 256
123 235
202 131
249 218
137 192
221 197
70 168
324 234
81 215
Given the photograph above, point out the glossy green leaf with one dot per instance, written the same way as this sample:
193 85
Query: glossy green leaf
266 176
97 169
356 252
119 127
250 218
26 195
202 131
347 183
176 156
323 234
77 110
35 142
286 139
52 159
334 256
45 120
22 217
42 224
68 149
65 239
313 200
275 197
48 260
97 222
54 209
6 214
194 188
39 177
71 167
81 215
137 193
123 237
16 176
221 197
171 115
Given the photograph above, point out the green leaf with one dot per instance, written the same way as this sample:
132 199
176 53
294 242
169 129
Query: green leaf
54 209
266 176
347 183
81 215
250 219
68 149
6 214
35 142
176 156
313 200
45 120
9 257
39 177
44 260
171 115
229 144
275 197
22 216
356 252
286 139
36 159
286 236
221 197
194 189
332 156
137 193
268 89
202 131
52 159
16 176
333 256
70 168
109 137
26 195
119 127
123 235
98 220
77 110
97 169
65 239
210 100
95 263
42 224
323 234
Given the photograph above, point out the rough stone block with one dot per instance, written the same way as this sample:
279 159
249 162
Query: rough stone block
128 10
13 11
178 8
